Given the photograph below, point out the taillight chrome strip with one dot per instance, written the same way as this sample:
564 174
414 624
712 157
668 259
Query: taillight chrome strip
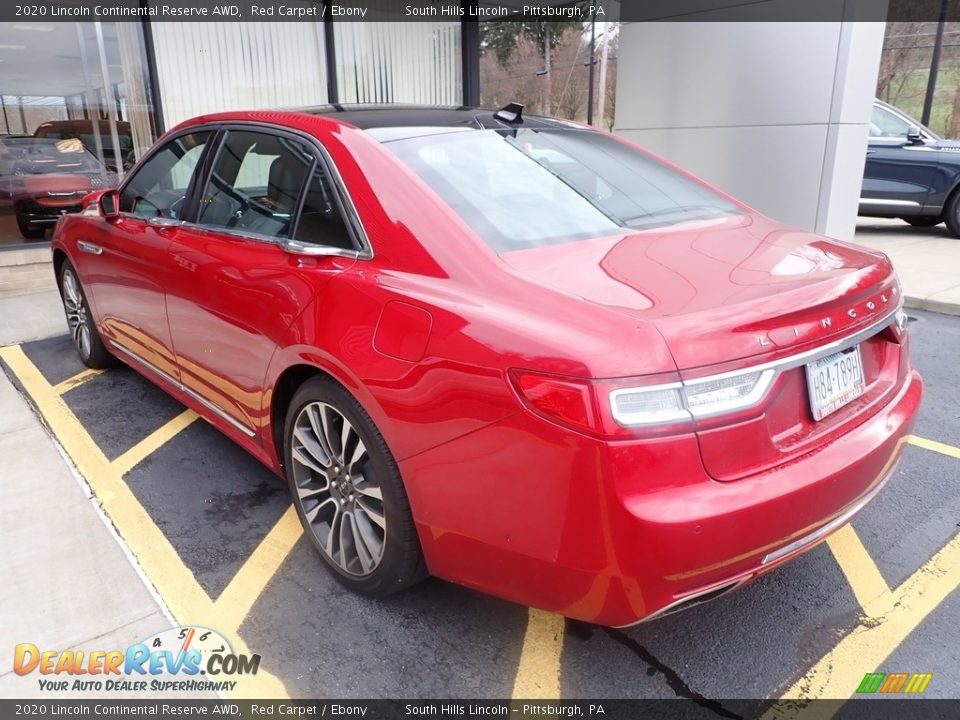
766 375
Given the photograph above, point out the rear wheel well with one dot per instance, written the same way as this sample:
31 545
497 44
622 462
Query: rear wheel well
283 391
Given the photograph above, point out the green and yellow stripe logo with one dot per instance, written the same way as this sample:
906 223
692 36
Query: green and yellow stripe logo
894 683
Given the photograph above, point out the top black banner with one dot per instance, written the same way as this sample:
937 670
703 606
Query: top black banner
482 10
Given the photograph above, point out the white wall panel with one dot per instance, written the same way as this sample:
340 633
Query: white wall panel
775 113
399 62
208 67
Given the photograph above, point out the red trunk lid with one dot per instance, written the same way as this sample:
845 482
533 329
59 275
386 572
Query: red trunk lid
723 290
735 292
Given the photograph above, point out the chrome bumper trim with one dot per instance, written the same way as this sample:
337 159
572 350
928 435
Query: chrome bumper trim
821 532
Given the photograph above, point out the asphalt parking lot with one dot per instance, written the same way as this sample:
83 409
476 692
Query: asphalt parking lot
215 534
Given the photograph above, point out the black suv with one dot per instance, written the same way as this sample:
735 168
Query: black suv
911 172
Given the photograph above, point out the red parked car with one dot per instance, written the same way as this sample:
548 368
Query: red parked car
515 353
42 179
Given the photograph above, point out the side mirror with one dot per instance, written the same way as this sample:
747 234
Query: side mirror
914 137
109 204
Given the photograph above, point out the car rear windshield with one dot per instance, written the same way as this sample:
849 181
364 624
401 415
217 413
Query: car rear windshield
526 188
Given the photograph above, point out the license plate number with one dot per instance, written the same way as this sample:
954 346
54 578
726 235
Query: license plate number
834 381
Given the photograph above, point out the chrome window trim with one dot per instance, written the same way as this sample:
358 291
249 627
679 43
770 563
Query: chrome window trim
346 204
246 430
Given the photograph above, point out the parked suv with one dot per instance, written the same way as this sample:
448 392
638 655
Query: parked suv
911 172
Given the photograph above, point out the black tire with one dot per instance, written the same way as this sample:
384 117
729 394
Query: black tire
29 231
353 480
83 330
924 220
951 213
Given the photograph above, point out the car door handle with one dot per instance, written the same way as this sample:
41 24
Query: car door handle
870 152
88 247
163 222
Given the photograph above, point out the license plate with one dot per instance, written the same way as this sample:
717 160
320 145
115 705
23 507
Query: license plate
834 381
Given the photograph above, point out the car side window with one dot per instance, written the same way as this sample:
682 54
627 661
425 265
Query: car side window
886 124
321 222
159 186
256 184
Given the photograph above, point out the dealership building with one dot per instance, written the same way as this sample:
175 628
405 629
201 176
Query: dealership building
774 113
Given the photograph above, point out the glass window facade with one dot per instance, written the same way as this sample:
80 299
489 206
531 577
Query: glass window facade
75 114
80 102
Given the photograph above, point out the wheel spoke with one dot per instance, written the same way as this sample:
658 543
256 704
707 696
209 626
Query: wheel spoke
366 560
358 453
306 458
312 448
323 432
367 488
345 431
306 492
368 536
334 524
344 563
311 515
372 513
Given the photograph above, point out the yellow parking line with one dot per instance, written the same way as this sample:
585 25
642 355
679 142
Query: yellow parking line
150 444
862 572
935 446
538 674
71 382
238 597
183 595
892 618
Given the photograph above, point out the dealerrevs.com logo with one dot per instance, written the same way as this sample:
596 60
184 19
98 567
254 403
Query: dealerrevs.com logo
181 659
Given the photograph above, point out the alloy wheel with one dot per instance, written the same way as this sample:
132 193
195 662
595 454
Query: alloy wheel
77 315
337 490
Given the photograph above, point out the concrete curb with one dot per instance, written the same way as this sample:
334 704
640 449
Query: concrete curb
912 302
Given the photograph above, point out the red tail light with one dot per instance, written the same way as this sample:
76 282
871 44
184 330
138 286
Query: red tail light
563 400
587 405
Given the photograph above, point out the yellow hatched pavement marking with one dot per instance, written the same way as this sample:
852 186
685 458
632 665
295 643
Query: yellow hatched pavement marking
935 446
238 597
150 444
538 675
71 382
892 617
183 595
862 572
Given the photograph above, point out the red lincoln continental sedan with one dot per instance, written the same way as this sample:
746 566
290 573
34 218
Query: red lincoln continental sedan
512 352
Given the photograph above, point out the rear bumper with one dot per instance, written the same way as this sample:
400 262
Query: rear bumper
618 533
778 556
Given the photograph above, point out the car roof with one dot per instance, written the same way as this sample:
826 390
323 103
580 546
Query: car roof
389 122
375 116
